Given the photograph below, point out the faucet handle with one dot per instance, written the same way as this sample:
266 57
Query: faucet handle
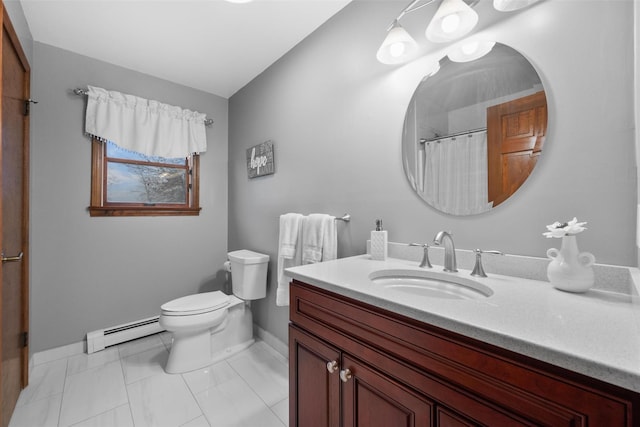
425 263
478 270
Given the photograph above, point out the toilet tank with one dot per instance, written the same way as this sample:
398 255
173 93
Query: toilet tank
249 274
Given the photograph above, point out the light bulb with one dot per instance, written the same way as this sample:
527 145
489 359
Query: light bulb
396 50
452 20
450 23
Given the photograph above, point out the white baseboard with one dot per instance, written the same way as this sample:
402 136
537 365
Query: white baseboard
80 347
57 353
272 340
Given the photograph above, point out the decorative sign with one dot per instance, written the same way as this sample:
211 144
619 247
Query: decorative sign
260 160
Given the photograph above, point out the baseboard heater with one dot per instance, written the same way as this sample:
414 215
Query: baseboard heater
103 338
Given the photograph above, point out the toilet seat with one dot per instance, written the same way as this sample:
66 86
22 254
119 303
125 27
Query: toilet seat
195 304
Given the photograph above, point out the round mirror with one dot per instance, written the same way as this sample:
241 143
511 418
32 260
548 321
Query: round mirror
474 129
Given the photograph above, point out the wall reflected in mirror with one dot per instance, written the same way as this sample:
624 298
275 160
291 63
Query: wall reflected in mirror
474 131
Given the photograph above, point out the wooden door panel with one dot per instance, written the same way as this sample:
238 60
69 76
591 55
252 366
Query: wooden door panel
371 399
514 129
520 124
314 394
516 168
14 221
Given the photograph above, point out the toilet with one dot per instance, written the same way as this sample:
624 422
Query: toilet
211 326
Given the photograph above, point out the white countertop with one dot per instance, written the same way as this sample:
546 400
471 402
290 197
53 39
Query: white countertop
596 333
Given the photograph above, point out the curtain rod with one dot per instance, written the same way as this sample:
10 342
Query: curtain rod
466 132
83 92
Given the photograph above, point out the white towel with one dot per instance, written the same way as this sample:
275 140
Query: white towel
330 239
312 235
289 253
319 238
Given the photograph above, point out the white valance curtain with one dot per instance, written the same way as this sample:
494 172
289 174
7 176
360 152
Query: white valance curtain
148 127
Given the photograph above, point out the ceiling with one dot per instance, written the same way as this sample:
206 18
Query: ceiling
211 45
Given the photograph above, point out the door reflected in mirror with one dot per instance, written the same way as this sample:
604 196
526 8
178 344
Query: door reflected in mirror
474 131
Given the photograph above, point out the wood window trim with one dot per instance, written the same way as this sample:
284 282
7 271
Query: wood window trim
98 209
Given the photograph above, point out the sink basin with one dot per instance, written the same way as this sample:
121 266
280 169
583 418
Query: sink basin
431 284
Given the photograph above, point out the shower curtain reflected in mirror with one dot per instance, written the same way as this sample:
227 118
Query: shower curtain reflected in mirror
454 172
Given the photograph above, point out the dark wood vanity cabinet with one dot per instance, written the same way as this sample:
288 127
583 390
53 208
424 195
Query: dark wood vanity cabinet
330 394
352 364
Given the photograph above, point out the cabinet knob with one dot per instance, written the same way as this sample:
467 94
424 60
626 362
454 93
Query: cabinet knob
332 366
345 375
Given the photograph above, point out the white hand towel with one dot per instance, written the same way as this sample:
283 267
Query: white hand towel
289 253
330 239
312 238
289 233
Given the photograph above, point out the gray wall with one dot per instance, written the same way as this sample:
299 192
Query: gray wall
89 273
335 115
19 22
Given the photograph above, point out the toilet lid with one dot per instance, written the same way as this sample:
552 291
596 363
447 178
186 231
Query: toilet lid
196 303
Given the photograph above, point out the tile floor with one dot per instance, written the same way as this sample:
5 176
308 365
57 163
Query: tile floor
126 385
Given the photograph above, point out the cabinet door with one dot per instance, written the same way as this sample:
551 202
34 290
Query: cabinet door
314 384
372 399
447 418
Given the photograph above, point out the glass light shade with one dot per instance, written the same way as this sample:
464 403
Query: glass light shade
470 50
509 5
453 19
397 47
434 70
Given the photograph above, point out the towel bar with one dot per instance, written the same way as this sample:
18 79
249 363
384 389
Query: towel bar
345 218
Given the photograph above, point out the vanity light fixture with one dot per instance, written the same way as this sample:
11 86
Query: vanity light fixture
453 20
397 46
470 50
434 69
239 1
510 5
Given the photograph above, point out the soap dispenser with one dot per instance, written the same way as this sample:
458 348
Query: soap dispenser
379 242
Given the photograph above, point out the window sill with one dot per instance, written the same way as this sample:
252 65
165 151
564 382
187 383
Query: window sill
142 211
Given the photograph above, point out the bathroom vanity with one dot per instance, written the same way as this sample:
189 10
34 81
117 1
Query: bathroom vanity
524 354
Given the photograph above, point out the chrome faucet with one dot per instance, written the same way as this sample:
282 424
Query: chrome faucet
449 250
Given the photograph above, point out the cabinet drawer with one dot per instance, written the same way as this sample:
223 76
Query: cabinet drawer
460 370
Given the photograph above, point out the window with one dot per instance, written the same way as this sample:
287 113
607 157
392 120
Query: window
126 183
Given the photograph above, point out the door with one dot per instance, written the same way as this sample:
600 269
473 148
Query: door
372 399
515 136
14 221
314 387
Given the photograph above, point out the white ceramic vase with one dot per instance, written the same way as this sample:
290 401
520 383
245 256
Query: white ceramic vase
570 270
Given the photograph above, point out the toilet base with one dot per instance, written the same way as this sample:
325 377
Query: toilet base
189 352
